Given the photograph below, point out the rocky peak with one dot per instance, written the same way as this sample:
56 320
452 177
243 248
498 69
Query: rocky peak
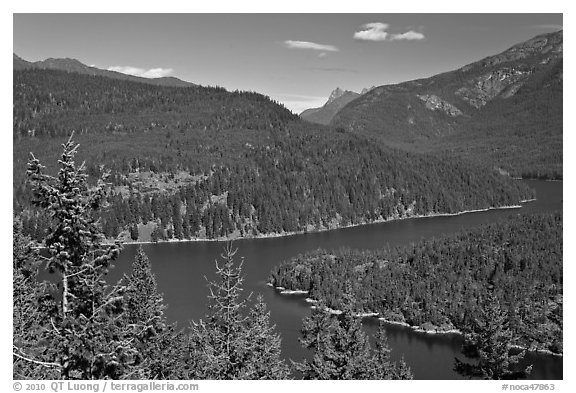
367 89
337 93
545 45
504 74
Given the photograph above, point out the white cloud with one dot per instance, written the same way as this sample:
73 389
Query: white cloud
151 73
409 35
310 45
377 32
372 32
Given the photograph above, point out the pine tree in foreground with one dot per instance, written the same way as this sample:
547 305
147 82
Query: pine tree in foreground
264 346
155 340
342 349
489 341
233 342
86 339
383 367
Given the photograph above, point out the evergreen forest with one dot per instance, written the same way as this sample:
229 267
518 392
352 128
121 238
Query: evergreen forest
446 283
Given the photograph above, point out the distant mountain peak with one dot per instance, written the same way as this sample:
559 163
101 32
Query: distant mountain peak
336 101
336 93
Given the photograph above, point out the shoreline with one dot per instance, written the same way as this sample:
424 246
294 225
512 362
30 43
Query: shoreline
293 292
286 234
532 178
416 329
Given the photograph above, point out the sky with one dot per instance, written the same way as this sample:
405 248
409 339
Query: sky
296 59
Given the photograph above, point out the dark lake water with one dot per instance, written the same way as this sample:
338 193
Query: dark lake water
181 269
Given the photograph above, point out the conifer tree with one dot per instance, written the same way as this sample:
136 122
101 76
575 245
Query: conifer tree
488 339
144 314
316 336
87 340
342 349
384 368
221 339
134 232
264 346
233 342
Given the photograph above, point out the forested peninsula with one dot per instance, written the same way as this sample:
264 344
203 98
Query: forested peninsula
441 284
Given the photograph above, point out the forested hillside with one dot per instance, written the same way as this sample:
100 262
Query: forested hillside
49 102
201 162
444 283
505 109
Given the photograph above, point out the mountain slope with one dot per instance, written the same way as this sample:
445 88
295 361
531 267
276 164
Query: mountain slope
73 65
505 108
20 64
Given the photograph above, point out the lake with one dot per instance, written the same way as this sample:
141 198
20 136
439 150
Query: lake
182 269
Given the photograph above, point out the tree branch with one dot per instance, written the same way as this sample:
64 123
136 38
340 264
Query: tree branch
45 364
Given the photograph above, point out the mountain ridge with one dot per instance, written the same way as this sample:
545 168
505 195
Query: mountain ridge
486 110
74 65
